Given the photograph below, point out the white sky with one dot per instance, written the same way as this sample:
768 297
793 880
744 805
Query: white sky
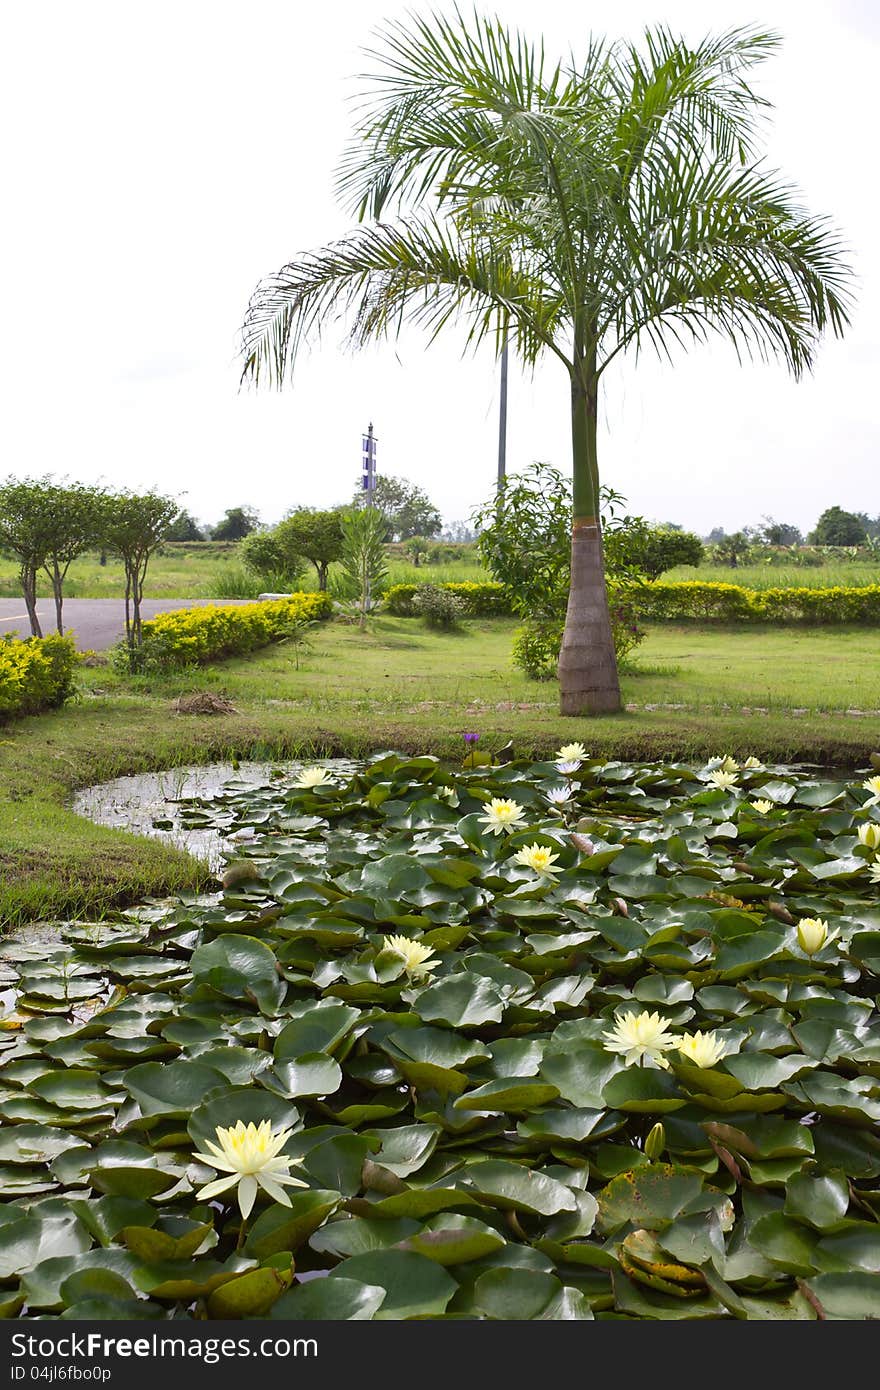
160 158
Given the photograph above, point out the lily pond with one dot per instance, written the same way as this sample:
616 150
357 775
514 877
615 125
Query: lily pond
562 1040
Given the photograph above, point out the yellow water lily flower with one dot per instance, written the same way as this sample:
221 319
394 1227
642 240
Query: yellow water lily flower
570 752
250 1154
872 785
869 834
313 777
813 934
725 780
414 954
762 807
539 858
638 1036
703 1049
503 816
728 764
753 765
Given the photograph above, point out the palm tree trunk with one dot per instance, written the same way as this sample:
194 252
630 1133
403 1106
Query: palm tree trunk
588 682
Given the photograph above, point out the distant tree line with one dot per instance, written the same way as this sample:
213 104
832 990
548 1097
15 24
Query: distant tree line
834 527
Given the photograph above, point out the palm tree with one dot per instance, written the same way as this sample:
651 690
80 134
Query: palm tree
579 209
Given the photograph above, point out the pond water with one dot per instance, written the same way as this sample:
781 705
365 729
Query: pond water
153 803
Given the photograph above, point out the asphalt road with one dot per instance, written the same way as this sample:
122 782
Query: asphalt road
94 623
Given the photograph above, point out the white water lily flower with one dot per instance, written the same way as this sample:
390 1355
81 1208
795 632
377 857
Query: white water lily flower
728 764
872 785
813 934
448 794
725 780
313 777
250 1155
869 834
571 752
762 807
567 768
753 765
539 858
414 954
557 796
503 816
874 871
703 1049
638 1036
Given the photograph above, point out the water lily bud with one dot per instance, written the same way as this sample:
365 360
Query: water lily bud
655 1142
812 933
869 834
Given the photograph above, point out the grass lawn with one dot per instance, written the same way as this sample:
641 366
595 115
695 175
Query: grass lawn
778 693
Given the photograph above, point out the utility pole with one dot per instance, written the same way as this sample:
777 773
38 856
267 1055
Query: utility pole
502 419
368 478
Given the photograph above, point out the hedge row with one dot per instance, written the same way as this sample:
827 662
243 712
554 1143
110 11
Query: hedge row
704 602
478 600
189 636
35 674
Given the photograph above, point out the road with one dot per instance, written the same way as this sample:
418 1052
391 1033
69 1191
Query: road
94 623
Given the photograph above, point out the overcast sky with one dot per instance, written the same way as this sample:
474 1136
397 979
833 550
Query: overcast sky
160 158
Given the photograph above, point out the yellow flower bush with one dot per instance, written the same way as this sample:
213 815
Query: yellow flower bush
35 674
190 636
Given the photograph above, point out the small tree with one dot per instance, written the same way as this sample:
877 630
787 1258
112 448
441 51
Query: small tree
363 555
837 527
134 526
416 548
774 532
236 524
654 549
27 522
272 557
78 518
315 534
184 527
731 549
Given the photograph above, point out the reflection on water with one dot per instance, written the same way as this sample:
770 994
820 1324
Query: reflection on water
151 803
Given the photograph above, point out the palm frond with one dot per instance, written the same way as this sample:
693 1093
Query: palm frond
382 276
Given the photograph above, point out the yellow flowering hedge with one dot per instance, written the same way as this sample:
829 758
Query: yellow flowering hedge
705 602
486 599
189 636
35 674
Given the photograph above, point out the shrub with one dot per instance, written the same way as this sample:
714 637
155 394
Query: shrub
190 636
485 599
536 645
439 608
35 674
696 601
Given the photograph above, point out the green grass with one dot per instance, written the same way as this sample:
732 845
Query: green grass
847 574
693 693
211 570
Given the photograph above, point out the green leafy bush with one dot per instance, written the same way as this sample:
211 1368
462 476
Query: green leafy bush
437 606
189 636
707 602
618 1061
537 644
486 599
35 674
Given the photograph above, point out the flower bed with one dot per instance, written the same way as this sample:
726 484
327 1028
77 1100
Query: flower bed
35 674
189 636
566 1040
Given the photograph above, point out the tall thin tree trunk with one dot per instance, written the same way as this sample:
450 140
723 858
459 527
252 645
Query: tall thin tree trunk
588 681
57 590
28 576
